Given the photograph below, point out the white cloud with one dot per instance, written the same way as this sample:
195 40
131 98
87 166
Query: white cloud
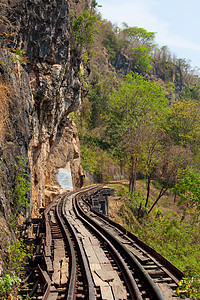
166 37
141 13
135 13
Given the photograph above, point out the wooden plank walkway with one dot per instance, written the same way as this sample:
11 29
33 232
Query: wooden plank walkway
104 276
60 264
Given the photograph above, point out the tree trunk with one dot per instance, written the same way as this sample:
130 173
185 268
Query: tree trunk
148 189
133 175
183 216
175 196
184 212
162 192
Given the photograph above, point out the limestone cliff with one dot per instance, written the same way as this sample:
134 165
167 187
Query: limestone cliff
41 95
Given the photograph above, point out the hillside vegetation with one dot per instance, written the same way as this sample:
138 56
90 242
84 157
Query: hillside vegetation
140 121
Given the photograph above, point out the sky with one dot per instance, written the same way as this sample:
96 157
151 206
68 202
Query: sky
176 22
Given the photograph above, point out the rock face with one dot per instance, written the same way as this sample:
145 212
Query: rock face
47 89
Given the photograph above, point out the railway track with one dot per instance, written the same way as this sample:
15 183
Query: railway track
65 259
88 256
147 261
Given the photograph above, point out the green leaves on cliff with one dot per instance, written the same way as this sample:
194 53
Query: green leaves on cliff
19 56
139 36
84 27
139 44
142 59
132 45
21 185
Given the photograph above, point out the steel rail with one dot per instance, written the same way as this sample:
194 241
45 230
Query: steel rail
73 267
143 272
91 289
178 273
132 286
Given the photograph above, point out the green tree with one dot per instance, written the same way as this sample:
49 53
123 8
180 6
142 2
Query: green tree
188 189
85 26
139 44
19 193
142 59
15 259
133 107
183 124
139 36
174 158
151 154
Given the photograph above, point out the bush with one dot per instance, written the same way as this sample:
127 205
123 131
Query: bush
9 284
15 260
177 241
19 192
189 287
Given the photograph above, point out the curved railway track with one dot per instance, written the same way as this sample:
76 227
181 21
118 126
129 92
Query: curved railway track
88 256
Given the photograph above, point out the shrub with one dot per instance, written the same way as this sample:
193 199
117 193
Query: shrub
15 260
21 186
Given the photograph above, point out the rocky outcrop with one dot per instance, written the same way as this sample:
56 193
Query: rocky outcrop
47 89
16 128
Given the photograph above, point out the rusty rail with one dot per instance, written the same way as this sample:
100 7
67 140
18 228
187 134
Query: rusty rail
178 273
86 269
78 256
134 291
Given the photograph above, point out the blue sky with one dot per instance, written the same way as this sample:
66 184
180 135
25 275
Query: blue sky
176 22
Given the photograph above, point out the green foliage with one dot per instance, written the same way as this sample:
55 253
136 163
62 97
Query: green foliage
142 59
122 190
176 240
138 197
131 45
169 237
19 56
8 285
139 36
189 288
84 27
140 44
97 162
183 124
16 257
188 189
89 159
96 141
135 108
112 43
21 186
94 98
135 101
192 91
14 261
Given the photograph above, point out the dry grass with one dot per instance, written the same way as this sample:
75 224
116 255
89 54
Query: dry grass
166 203
4 108
8 21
